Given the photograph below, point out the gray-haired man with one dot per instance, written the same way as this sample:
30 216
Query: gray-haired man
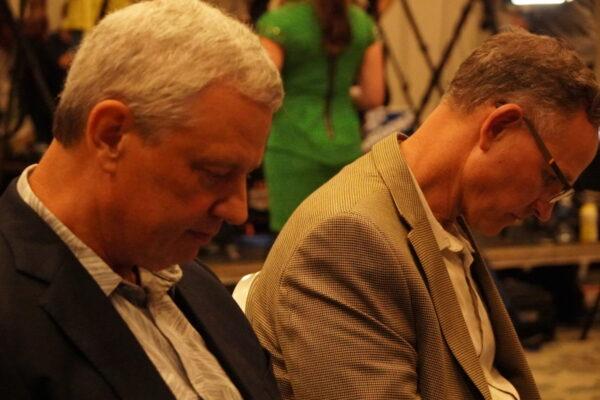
165 111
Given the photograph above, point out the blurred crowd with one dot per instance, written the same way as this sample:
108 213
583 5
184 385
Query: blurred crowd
36 50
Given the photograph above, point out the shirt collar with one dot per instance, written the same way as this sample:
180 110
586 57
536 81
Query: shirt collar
159 282
105 277
445 240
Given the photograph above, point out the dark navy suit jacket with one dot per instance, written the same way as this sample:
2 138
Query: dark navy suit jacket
61 338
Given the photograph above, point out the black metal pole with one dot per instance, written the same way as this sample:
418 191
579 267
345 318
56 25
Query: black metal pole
490 22
422 45
445 57
398 71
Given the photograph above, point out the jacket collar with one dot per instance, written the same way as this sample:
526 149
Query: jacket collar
80 309
510 358
75 303
396 175
228 337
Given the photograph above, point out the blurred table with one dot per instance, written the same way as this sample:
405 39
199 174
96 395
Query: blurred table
230 272
535 255
498 257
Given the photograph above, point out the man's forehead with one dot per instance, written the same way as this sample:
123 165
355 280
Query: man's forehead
227 162
575 145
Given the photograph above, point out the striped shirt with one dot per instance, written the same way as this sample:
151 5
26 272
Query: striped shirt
175 348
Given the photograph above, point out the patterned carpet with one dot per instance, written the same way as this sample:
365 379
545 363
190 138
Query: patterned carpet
568 368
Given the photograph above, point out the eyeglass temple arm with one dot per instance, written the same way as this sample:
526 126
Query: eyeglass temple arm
549 159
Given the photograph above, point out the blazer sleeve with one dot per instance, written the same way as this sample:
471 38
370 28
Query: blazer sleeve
345 319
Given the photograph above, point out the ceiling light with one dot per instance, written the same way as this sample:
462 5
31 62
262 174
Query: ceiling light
538 2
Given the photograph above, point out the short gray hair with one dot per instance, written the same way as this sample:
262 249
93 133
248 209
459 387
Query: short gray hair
154 56
539 72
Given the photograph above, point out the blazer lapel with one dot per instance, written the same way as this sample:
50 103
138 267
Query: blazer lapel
78 307
197 295
506 337
510 358
395 173
87 317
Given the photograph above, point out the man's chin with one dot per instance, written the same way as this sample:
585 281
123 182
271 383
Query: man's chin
490 230
493 228
186 257
182 257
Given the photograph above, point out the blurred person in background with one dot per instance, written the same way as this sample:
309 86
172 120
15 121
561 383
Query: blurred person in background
40 62
322 47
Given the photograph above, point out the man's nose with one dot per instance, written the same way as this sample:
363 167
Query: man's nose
543 209
233 208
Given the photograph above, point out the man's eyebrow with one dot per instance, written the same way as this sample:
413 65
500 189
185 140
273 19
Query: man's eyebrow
232 165
199 164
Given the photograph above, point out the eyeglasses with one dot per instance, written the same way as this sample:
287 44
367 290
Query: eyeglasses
567 189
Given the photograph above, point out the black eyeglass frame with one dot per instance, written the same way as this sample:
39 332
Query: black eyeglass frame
567 189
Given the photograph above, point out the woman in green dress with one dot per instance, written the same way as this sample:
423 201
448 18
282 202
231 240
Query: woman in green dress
322 48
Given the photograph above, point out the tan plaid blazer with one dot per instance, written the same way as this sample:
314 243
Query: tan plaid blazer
354 300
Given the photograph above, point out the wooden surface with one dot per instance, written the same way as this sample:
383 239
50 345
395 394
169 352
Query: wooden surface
501 257
231 272
529 256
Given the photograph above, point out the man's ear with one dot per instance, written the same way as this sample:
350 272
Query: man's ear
497 121
107 124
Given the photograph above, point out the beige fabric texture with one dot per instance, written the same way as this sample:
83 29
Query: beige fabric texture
354 300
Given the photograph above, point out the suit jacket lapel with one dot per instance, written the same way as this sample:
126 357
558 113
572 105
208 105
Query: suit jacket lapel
86 315
506 337
510 358
395 173
195 295
78 307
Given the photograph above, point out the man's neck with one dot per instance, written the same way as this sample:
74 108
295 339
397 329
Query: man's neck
435 154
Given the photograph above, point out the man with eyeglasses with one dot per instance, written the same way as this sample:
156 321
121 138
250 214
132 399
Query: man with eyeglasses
375 288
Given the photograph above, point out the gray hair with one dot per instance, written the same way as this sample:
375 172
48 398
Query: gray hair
154 56
540 73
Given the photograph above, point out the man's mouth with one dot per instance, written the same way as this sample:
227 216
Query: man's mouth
202 236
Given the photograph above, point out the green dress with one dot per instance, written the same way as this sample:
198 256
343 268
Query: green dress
304 150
